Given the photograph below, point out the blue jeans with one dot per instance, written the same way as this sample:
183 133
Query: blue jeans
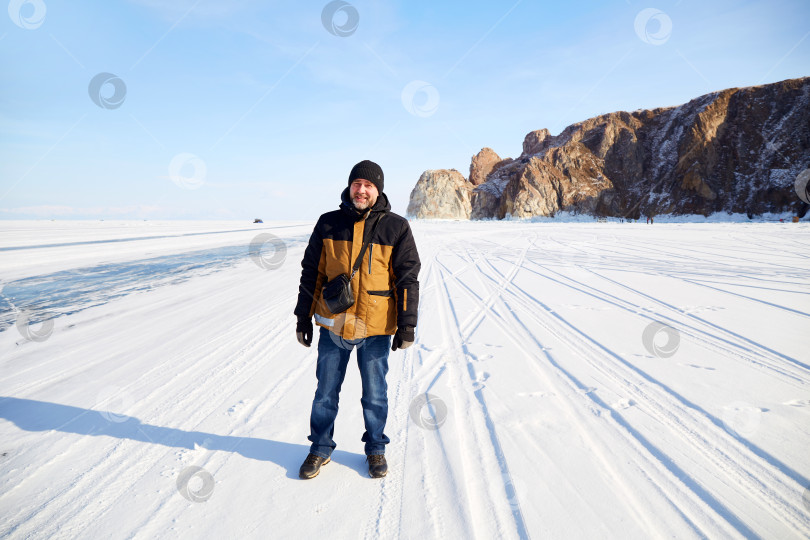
333 358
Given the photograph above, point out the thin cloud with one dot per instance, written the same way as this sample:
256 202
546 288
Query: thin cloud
208 11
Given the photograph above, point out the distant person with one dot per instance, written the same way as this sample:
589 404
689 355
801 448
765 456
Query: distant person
366 242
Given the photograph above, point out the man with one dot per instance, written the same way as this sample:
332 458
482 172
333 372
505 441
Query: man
386 292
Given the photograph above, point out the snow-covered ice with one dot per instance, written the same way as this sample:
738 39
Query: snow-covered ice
569 380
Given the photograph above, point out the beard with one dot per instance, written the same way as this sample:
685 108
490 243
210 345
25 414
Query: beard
362 205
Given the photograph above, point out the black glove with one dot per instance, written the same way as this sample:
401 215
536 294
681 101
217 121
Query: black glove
403 338
303 331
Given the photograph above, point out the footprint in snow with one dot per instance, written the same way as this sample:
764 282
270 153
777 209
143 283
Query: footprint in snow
698 309
237 407
798 402
533 394
625 403
699 367
742 419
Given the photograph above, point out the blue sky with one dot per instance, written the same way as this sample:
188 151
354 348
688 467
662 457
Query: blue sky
243 109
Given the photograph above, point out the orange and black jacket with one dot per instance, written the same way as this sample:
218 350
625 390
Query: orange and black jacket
386 288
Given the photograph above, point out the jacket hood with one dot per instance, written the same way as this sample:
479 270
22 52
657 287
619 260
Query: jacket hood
382 205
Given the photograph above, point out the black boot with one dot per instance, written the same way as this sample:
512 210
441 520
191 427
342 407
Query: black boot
312 466
377 467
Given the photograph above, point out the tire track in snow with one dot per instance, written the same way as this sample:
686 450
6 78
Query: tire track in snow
458 488
452 490
470 444
87 485
107 472
748 286
433 495
187 363
650 247
770 361
504 479
725 453
574 392
387 516
653 266
778 362
42 382
749 298
476 316
262 406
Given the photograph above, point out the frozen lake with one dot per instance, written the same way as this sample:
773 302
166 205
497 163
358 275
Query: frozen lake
568 380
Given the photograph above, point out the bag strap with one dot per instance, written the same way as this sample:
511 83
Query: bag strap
363 249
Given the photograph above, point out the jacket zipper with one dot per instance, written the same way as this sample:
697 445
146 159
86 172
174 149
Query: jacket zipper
370 250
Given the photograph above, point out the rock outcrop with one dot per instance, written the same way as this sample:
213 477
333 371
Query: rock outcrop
483 164
441 194
737 150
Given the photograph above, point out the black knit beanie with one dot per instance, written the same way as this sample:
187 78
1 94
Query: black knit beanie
368 170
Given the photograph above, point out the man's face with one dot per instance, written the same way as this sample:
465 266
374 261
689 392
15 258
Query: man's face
363 194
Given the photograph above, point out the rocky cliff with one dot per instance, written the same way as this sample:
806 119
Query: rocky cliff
738 150
441 194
